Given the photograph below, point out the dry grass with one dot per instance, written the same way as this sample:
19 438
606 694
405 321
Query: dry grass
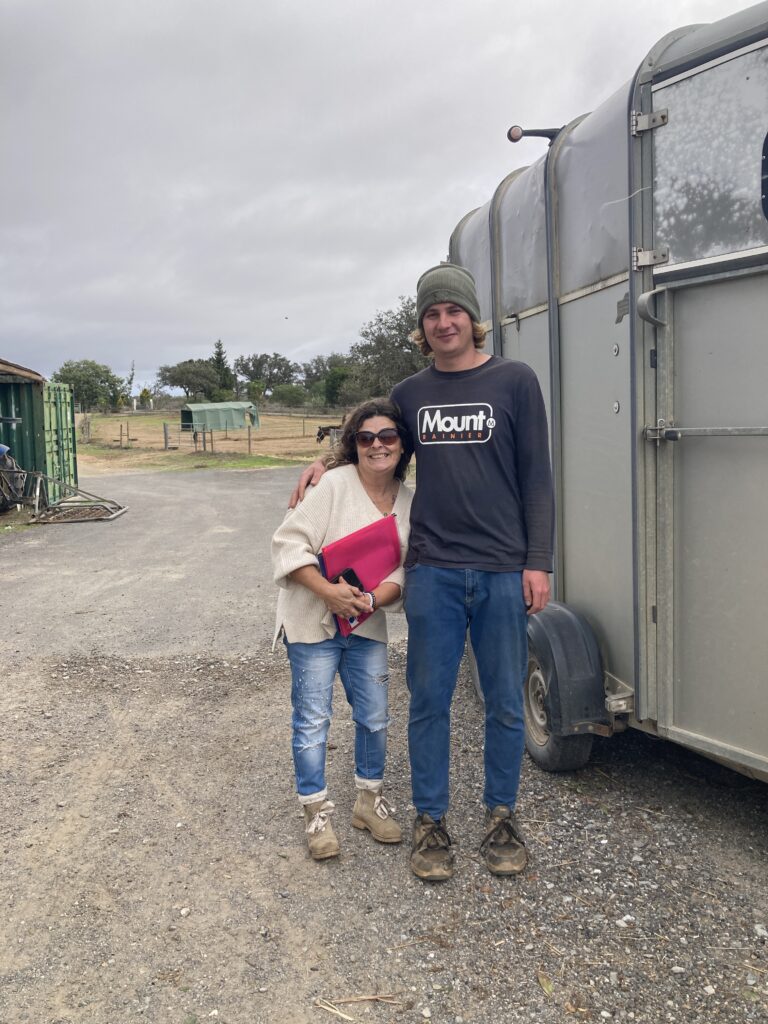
126 443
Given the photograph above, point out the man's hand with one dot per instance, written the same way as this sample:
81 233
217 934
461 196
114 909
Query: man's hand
535 590
311 475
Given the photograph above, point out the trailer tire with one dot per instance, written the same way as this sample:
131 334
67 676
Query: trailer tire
550 752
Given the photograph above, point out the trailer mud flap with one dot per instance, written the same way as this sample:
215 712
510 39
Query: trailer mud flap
569 658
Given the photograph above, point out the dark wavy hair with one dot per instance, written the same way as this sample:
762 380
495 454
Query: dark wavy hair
345 452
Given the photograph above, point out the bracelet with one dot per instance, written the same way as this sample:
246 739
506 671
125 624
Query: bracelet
372 596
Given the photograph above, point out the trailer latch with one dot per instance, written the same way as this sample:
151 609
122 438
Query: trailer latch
664 431
661 432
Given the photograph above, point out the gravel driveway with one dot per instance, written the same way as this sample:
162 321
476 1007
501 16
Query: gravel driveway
153 858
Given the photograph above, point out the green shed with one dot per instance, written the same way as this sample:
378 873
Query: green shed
219 416
37 422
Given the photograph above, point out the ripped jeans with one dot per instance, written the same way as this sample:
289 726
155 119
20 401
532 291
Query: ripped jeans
362 666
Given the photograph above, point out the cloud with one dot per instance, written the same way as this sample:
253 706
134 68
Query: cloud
201 169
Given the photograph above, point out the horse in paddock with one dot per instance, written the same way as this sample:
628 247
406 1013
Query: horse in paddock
323 432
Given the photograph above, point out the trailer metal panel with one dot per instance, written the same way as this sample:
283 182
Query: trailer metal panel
527 339
694 45
522 258
596 483
591 172
715 527
471 247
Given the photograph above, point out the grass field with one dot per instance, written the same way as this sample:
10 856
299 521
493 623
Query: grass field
123 443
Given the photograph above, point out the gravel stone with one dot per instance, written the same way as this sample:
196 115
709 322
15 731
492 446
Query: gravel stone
110 736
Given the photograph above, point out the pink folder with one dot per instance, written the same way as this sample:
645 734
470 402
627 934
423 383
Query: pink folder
373 552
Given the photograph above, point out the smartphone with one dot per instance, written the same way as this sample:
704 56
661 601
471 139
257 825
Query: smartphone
349 576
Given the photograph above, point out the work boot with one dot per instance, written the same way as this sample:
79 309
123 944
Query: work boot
321 838
431 853
503 846
373 812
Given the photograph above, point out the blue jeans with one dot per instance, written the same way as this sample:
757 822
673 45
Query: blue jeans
362 666
440 604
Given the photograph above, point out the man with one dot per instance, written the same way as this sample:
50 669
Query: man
479 557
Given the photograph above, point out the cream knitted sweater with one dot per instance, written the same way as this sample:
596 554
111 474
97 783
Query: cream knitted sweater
337 506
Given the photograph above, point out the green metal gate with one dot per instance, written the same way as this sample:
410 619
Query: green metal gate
59 438
37 422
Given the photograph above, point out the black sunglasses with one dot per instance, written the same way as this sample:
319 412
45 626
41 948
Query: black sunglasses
389 436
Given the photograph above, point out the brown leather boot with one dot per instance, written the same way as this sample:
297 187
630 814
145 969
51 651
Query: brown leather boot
321 838
373 812
431 853
503 845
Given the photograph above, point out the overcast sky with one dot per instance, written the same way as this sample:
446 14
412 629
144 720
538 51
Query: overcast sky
268 172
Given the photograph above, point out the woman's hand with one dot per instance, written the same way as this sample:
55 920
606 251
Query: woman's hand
345 600
340 598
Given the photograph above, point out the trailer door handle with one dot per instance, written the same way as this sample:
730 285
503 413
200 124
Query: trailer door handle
646 306
668 432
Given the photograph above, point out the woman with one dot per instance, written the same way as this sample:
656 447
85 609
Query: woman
370 464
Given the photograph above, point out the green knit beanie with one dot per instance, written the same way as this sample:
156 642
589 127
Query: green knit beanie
447 282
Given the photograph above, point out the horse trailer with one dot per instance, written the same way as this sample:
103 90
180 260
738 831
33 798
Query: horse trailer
629 267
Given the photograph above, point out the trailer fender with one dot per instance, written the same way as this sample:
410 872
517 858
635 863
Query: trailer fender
564 701
568 656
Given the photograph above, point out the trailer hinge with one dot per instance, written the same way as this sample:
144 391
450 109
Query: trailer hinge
646 122
649 257
652 358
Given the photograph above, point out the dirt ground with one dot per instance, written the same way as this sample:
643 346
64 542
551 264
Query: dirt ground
135 443
153 859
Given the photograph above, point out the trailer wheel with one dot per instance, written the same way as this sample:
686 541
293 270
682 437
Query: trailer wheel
550 752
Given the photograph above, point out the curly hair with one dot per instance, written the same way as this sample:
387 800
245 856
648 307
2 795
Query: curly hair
345 452
417 337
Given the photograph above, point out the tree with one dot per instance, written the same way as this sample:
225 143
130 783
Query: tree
119 393
385 355
194 377
324 376
145 398
254 391
292 395
270 370
315 370
320 367
93 384
220 364
130 379
334 383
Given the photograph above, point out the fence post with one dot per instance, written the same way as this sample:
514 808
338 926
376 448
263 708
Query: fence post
165 436
211 440
249 440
